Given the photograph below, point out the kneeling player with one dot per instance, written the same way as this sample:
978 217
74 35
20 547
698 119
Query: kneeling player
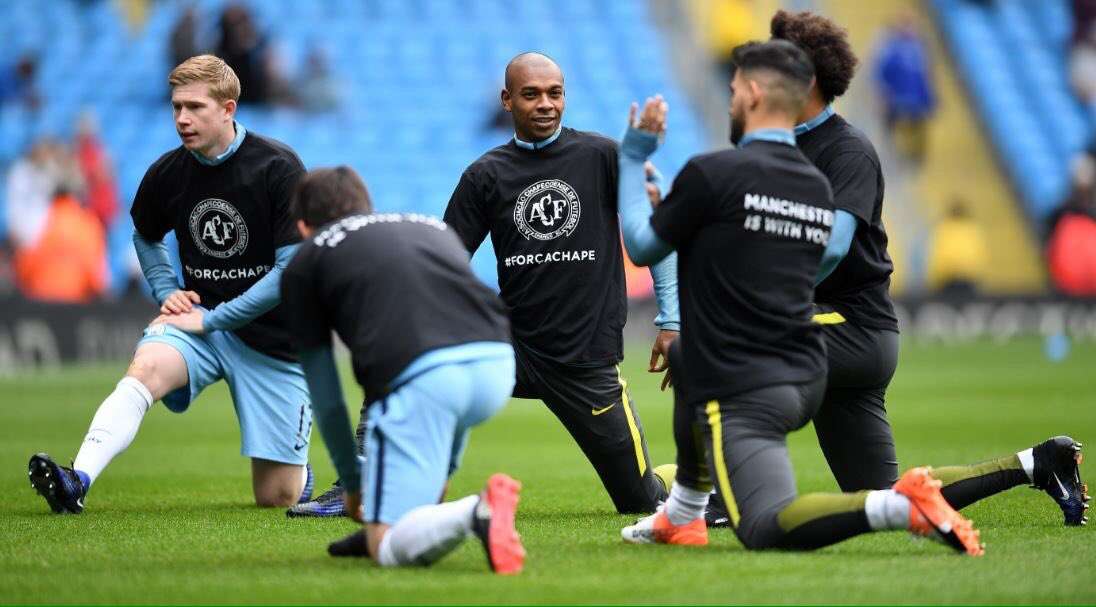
751 226
225 192
429 345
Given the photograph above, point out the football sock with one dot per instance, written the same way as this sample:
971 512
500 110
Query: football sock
685 504
1027 462
886 510
427 533
964 485
812 521
112 429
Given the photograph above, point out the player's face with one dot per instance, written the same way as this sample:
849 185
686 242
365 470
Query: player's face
536 101
203 124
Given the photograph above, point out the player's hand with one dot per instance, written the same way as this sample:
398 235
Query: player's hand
660 355
353 502
191 321
180 301
653 193
653 118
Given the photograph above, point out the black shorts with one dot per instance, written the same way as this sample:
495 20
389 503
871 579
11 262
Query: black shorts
594 405
852 425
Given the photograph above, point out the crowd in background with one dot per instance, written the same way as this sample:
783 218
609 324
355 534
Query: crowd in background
62 196
67 202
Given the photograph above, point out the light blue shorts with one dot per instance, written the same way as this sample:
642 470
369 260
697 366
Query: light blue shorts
270 395
417 434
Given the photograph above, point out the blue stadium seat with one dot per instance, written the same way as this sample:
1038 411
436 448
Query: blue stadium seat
1012 56
420 79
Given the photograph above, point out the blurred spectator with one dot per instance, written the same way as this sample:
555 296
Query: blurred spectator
17 83
1071 248
184 37
249 54
101 192
727 24
903 74
318 89
959 255
31 184
1082 67
1084 17
67 263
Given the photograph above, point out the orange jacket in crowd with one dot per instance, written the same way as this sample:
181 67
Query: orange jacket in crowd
68 263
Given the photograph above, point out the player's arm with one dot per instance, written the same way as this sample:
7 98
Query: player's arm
465 213
329 412
663 273
156 266
260 298
641 140
844 227
854 180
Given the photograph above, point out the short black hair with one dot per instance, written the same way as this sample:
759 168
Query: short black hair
827 44
780 56
324 195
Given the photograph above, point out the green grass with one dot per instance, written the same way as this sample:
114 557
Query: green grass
171 520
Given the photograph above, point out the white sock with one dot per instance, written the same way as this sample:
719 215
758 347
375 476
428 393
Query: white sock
887 509
685 504
427 533
1027 460
113 427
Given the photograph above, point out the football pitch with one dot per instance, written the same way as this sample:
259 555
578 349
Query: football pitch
171 520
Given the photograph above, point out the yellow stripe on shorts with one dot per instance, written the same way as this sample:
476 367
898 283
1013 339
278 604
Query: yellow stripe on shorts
829 318
716 423
637 441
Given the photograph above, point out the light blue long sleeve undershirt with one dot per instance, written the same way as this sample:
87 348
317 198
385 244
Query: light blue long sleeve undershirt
664 275
844 227
329 412
643 245
156 266
257 300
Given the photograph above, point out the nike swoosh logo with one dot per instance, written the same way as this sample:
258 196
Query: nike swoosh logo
603 409
1065 494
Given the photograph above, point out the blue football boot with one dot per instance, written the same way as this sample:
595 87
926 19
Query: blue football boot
63 490
327 504
1057 473
309 485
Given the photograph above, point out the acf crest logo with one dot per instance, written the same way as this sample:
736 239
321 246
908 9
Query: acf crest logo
547 210
218 229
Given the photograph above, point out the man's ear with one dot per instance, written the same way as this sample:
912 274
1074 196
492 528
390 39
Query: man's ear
506 100
755 93
302 227
230 108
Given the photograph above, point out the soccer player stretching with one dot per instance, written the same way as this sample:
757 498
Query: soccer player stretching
430 347
548 198
855 309
225 192
751 226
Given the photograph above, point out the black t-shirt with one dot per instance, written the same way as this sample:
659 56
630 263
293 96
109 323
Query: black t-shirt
552 216
749 226
859 287
392 287
229 219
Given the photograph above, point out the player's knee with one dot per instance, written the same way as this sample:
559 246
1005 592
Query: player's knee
144 369
756 536
275 497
